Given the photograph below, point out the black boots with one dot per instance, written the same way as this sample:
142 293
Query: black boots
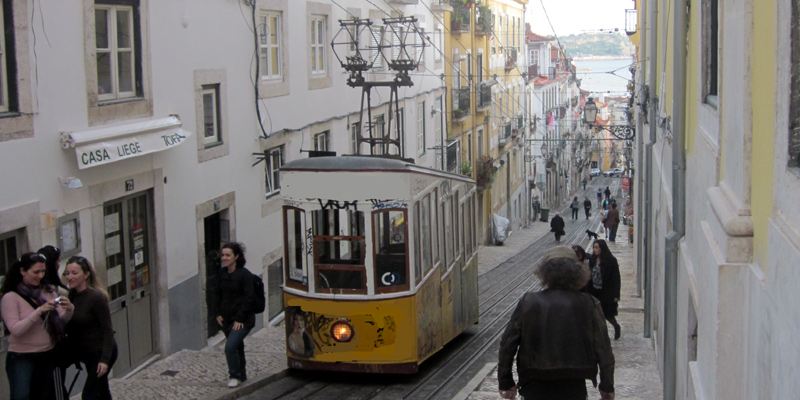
617 330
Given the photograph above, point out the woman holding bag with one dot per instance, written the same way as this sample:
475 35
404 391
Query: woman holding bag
34 316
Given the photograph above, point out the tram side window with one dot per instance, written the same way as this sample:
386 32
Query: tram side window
447 223
456 227
339 251
390 247
417 243
425 227
294 251
434 226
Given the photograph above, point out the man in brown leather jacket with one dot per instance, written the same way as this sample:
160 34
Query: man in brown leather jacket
558 336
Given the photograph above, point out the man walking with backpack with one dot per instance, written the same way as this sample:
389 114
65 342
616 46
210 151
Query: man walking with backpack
235 305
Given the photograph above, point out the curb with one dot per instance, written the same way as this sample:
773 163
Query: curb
251 386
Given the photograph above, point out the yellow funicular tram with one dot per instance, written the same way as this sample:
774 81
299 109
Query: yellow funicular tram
380 266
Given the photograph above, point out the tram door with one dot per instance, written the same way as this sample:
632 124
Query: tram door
451 298
127 224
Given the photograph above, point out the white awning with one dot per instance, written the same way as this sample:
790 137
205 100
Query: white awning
98 146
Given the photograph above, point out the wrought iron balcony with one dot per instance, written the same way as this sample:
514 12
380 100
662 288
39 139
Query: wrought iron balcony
459 22
511 58
484 21
484 96
461 102
533 71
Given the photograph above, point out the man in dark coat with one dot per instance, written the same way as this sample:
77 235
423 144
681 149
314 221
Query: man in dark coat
612 222
557 226
587 206
558 335
608 192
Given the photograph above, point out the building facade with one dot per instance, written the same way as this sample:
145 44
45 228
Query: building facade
135 134
718 183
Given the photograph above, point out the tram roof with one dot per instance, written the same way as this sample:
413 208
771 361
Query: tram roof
347 163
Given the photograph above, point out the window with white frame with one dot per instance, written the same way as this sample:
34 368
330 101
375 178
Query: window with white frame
794 101
116 58
5 60
456 69
212 133
269 45
272 169
321 141
421 128
318 37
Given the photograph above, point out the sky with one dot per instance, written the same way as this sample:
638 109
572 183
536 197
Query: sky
577 16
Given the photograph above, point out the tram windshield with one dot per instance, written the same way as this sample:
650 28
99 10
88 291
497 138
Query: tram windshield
339 251
391 248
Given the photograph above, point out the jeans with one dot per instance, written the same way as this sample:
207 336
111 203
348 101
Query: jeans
574 213
587 211
30 375
234 351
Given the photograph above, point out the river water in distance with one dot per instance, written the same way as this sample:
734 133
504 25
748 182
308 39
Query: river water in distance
608 76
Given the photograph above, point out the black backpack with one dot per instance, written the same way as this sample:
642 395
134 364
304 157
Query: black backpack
259 300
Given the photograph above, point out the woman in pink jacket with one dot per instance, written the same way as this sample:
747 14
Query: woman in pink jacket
34 316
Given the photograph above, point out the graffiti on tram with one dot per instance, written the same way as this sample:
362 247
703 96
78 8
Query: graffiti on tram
309 333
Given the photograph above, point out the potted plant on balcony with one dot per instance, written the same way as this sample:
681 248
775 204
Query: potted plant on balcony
485 172
466 169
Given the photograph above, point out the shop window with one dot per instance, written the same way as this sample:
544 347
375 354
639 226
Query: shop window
390 250
339 251
10 250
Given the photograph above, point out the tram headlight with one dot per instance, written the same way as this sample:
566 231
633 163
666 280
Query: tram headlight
342 331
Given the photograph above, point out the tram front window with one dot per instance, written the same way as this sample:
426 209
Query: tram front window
339 251
391 248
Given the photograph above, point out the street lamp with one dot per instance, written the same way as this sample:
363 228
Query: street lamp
590 112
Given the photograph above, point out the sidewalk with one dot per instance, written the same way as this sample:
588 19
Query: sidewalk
202 374
636 375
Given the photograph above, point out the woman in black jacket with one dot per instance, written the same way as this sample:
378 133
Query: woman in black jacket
90 335
605 283
233 298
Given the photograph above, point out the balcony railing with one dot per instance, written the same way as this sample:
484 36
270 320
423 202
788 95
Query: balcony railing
460 20
460 102
533 71
511 58
484 22
484 96
505 135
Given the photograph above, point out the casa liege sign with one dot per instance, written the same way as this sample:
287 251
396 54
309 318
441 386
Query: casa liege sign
106 151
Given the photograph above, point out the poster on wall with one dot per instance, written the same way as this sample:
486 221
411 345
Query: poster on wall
111 223
112 245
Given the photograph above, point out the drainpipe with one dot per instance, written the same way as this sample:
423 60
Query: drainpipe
639 178
678 200
648 199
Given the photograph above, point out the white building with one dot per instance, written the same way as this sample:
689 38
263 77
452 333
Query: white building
127 133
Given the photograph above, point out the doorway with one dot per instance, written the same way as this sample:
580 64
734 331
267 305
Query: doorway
216 230
127 226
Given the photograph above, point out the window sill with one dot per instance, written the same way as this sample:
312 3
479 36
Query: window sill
10 114
271 195
101 103
712 101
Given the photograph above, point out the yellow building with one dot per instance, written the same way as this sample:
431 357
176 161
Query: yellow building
483 43
718 151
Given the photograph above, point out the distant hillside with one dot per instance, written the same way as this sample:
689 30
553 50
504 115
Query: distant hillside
597 45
